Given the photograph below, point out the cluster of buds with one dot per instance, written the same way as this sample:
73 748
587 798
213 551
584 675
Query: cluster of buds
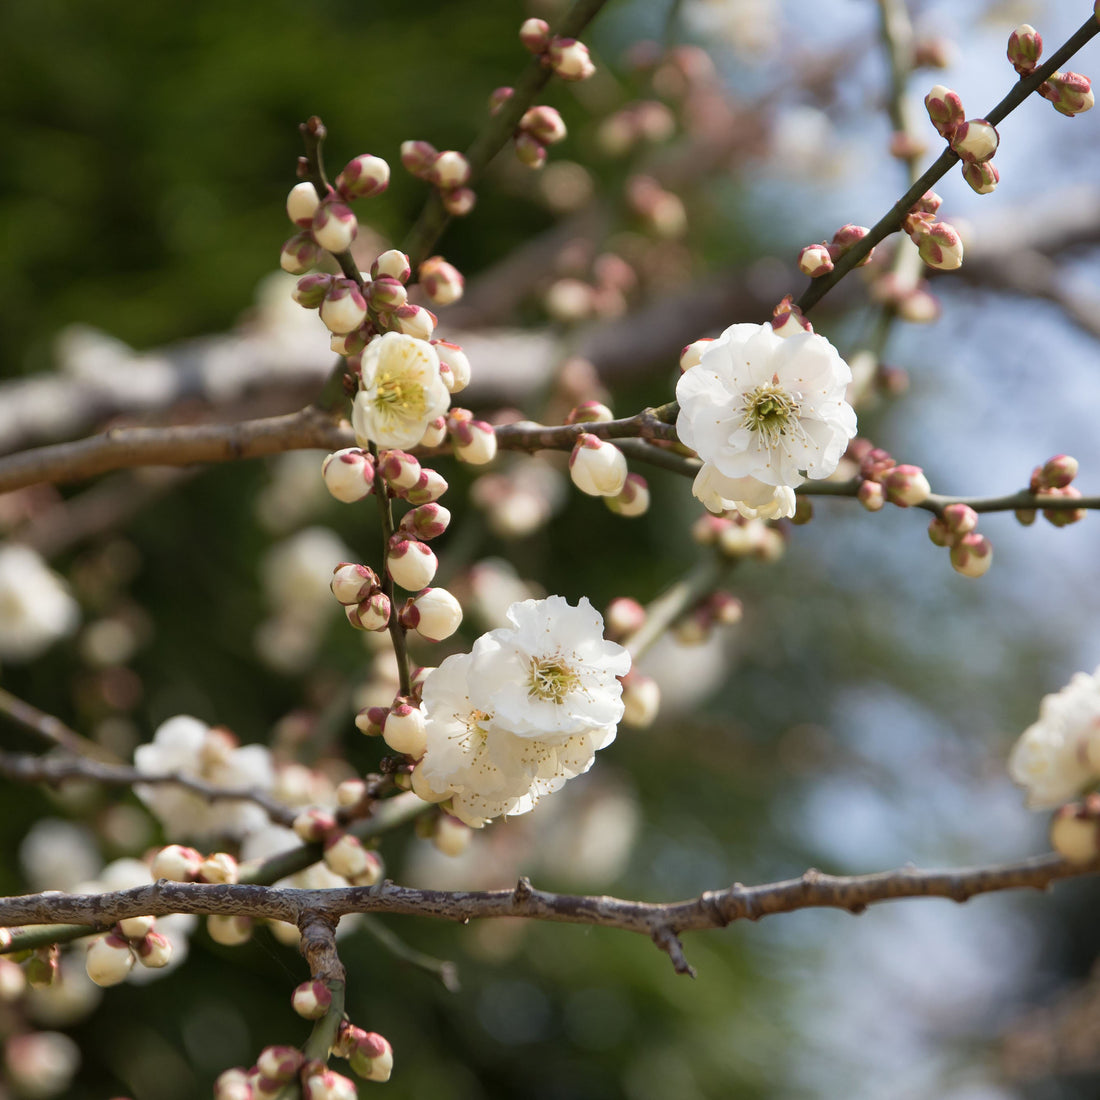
956 528
178 863
110 958
359 590
1053 479
973 141
939 244
882 480
567 57
326 223
571 299
1071 93
539 128
1075 830
735 536
718 609
816 260
344 853
368 1053
279 1066
448 172
648 121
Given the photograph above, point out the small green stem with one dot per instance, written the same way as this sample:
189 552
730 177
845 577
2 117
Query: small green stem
396 628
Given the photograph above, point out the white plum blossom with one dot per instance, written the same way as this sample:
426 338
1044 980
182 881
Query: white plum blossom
401 392
36 608
186 746
763 412
525 711
1058 756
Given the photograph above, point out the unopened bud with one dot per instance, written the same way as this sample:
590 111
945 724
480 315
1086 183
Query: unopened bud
314 825
219 868
418 157
960 519
280 1063
945 109
435 434
154 950
529 150
451 169
428 521
1071 93
458 201
229 931
344 308
387 293
570 60
972 555
940 533
435 614
346 856
334 226
597 467
544 124
845 238
982 178
871 495
692 355
371 720
372 613
975 140
1025 517
109 960
311 1000
328 1085
310 290
535 35
299 254
350 792
1025 47
941 247
176 863
372 1057
410 564
906 486
442 282
348 474
233 1084
351 582
814 261
1063 517
301 204
450 836
412 321
430 486
589 412
1058 472
362 177
394 263
400 469
474 441
1075 833
134 928
641 700
456 376
633 499
498 97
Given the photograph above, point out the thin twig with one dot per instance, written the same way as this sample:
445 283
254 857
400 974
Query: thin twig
446 972
50 729
658 921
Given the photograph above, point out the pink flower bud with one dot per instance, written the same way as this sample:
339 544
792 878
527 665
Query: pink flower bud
693 353
871 495
362 177
405 730
623 616
371 720
450 836
351 583
975 140
393 263
345 855
412 321
329 1086
435 434
372 1056
1025 47
387 293
344 308
633 500
458 201
154 950
311 290
109 960
570 60
474 441
788 319
314 825
814 261
529 150
1057 472
400 469
176 863
299 254
233 1084
597 467
928 203
418 157
1063 517
431 486
498 97
311 1000
450 169
960 519
280 1064
945 109
334 226
457 363
301 204
371 613
410 564
134 928
1071 93
442 282
941 247
982 178
535 35
350 792
845 238
435 614
544 124
428 521
589 412
940 534
348 474
906 486
229 931
219 868
972 555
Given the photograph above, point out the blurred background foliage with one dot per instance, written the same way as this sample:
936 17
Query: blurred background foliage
858 718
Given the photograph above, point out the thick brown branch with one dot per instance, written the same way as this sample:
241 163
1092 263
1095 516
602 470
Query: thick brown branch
662 923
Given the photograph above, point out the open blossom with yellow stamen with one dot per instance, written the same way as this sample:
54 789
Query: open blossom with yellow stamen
401 392
525 711
763 412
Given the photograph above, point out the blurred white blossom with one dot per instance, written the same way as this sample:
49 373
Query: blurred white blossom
36 608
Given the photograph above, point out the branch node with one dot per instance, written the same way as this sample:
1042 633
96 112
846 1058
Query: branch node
669 942
522 891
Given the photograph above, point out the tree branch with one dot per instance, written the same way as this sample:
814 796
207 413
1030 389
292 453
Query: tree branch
661 922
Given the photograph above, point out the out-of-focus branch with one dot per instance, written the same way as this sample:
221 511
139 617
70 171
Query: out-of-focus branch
48 728
891 222
54 770
661 922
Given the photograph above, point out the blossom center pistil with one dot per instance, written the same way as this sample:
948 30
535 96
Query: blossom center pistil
395 395
769 410
551 679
